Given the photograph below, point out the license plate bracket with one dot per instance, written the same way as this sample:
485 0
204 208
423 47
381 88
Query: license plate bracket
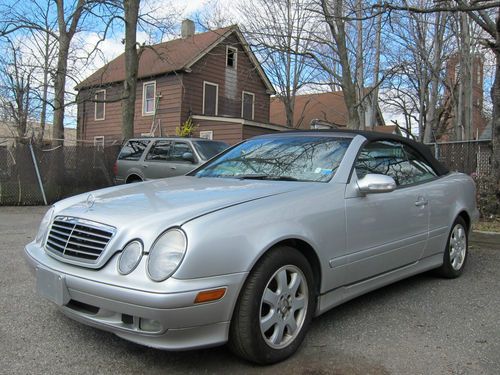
52 286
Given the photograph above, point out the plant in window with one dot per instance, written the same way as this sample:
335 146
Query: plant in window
186 129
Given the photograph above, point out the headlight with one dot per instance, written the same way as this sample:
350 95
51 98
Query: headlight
166 254
44 226
130 257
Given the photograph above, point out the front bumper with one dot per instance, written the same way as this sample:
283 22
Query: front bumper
161 315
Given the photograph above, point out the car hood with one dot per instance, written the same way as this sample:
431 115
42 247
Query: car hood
170 201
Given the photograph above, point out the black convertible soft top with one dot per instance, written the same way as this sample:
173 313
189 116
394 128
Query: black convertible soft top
376 136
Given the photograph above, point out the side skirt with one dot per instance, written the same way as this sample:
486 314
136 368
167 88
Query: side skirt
345 293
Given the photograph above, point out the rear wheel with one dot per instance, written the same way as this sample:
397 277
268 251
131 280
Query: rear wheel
456 250
275 307
133 179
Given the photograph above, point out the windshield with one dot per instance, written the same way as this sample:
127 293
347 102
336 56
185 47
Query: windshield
292 158
208 149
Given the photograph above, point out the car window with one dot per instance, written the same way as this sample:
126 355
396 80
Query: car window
393 159
179 149
160 151
208 149
133 149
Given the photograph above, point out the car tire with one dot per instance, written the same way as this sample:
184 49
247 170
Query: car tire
275 307
455 254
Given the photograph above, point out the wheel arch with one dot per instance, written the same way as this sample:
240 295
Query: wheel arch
133 177
466 217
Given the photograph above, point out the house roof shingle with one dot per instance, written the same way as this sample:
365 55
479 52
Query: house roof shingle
171 56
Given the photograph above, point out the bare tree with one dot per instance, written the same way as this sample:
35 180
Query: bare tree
280 31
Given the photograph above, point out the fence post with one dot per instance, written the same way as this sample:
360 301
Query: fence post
436 151
35 164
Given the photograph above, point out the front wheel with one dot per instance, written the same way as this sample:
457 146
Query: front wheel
275 307
455 253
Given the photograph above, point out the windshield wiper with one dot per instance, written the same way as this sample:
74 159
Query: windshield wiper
264 177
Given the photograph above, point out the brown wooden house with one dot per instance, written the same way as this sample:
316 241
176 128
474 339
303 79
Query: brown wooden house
211 77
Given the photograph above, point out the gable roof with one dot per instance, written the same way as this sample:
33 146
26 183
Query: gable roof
329 107
172 56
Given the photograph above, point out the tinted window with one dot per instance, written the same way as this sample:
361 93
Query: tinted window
159 151
133 149
178 150
299 158
393 159
208 149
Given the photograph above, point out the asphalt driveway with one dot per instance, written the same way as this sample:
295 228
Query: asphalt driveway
422 325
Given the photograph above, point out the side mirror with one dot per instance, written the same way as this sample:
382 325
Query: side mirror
188 156
376 183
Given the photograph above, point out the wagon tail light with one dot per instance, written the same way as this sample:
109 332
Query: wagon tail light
115 169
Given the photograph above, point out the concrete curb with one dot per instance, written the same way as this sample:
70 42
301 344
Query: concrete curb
488 239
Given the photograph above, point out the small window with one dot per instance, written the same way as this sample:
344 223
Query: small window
210 98
133 149
231 56
159 151
247 105
478 75
100 105
148 98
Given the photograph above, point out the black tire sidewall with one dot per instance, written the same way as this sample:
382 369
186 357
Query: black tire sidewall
256 347
447 269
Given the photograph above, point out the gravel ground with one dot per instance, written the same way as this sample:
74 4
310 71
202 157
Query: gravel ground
422 325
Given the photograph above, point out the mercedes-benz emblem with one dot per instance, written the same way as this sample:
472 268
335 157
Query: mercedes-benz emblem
90 201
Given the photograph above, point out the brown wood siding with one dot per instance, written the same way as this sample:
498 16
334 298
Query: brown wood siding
228 132
232 82
168 112
253 131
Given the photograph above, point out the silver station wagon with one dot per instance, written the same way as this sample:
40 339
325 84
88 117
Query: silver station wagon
143 159
252 245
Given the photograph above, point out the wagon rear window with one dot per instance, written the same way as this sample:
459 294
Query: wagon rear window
133 150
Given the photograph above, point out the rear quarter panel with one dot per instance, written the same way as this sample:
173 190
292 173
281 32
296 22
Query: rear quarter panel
448 197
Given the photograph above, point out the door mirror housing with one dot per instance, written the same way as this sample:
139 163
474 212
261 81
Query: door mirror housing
188 156
376 183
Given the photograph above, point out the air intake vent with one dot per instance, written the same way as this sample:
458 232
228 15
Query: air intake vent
78 239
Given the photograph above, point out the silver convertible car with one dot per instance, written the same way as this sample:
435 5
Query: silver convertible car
252 245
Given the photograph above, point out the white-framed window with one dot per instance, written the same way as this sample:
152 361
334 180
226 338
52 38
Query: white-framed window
478 75
247 105
231 56
207 134
210 98
100 105
148 98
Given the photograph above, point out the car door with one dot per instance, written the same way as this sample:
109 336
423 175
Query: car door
156 162
386 231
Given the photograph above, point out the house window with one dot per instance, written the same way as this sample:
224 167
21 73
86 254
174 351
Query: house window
210 98
148 98
100 106
478 75
231 56
99 142
247 105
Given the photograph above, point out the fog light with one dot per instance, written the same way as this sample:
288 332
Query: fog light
150 325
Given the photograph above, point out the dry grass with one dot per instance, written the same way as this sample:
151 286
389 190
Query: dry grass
488 225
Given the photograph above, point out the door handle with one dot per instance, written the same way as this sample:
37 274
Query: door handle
144 165
421 202
173 168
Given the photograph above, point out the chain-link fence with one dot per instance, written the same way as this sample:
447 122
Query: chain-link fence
64 171
471 157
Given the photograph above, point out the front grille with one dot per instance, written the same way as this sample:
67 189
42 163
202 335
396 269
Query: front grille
78 239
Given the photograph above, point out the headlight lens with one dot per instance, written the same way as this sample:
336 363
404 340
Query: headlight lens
130 257
44 226
166 254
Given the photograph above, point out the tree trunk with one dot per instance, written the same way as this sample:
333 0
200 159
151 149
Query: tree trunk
131 67
59 90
